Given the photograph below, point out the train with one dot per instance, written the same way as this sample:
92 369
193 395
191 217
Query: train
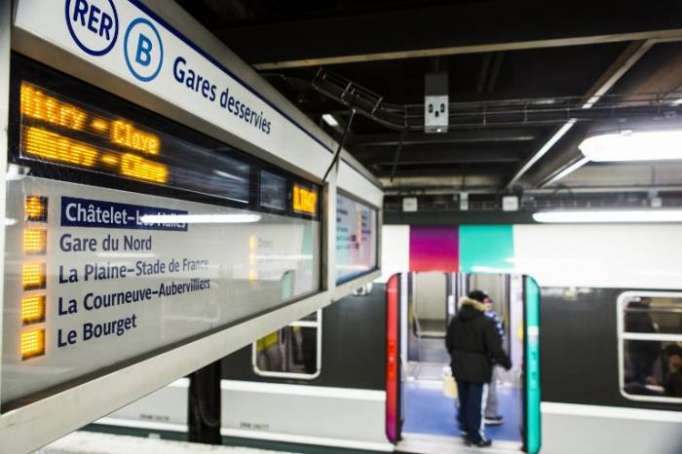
610 324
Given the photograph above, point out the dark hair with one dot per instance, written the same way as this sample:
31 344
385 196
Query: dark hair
478 295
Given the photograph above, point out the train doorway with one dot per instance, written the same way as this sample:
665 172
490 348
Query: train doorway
424 389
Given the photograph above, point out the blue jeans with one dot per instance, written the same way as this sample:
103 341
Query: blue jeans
470 414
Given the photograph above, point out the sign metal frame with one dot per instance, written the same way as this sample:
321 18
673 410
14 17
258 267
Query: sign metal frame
33 425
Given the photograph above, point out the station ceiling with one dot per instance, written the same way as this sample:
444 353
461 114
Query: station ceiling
518 73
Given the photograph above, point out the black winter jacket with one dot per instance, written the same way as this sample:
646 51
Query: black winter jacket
474 344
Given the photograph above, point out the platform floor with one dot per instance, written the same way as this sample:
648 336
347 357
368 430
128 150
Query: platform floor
101 443
429 411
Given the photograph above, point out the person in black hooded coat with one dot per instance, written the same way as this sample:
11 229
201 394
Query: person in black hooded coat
474 344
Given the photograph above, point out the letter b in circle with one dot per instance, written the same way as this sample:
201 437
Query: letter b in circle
143 50
143 55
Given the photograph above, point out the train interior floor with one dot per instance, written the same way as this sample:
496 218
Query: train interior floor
430 406
429 396
430 428
429 411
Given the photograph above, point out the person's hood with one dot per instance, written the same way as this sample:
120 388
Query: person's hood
470 308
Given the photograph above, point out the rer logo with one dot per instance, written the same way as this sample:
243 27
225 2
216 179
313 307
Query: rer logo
143 49
93 24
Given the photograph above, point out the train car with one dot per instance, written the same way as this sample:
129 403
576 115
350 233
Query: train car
611 322
609 329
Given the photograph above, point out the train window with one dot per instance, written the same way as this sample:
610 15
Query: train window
356 238
294 351
650 346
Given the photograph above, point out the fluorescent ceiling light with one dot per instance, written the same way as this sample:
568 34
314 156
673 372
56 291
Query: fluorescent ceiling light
200 218
330 120
634 146
603 216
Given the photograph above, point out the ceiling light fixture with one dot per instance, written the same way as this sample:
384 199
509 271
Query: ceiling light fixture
330 120
606 216
664 145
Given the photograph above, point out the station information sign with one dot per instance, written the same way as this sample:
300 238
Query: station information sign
356 238
100 275
128 40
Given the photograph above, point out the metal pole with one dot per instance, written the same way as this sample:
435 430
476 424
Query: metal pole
340 147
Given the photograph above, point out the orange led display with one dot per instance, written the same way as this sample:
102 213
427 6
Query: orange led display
38 105
33 309
35 241
33 275
125 134
143 169
51 146
36 208
99 125
72 130
40 141
304 200
110 159
32 343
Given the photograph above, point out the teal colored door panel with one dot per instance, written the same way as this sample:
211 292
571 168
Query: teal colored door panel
533 440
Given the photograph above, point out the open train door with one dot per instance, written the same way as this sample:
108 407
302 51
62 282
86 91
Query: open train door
419 416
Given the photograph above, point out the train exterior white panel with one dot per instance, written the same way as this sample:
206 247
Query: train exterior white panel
602 256
163 410
395 255
353 418
570 429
